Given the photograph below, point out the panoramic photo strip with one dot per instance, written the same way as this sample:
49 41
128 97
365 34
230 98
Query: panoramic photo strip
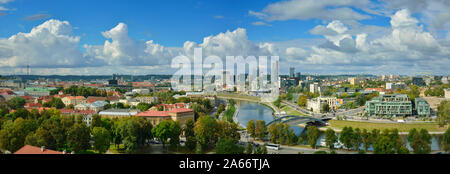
214 85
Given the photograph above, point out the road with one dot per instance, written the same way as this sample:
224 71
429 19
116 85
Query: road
290 149
351 112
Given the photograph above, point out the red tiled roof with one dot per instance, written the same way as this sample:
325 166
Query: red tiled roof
6 91
142 84
76 97
27 149
81 112
152 114
180 110
66 111
27 97
92 99
33 105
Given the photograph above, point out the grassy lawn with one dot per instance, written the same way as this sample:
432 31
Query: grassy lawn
290 111
115 150
238 96
229 113
431 127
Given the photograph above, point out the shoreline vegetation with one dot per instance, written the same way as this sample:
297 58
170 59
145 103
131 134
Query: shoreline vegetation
433 128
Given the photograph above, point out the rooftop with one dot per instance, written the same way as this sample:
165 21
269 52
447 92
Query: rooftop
27 149
153 114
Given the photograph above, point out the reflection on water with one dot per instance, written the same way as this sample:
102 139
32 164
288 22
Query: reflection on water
248 111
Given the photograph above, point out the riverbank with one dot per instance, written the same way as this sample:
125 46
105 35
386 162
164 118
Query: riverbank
404 128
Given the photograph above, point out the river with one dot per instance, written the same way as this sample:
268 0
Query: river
256 111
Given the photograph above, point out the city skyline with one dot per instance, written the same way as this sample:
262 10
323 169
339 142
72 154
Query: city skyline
351 37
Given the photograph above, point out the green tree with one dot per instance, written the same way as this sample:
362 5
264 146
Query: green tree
446 140
444 113
226 129
162 131
175 132
312 133
356 138
420 141
191 142
251 128
78 137
330 138
143 106
325 108
346 137
228 146
128 131
13 134
17 102
384 144
249 148
302 100
365 138
205 131
260 129
277 102
102 139
96 121
144 130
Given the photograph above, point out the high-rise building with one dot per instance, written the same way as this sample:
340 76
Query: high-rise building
352 81
298 75
313 88
291 72
418 81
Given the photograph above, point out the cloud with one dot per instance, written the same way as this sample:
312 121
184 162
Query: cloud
313 9
218 17
260 23
404 47
4 8
5 1
50 44
434 13
120 49
37 17
407 48
2 14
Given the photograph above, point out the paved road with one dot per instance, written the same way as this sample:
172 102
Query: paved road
351 112
290 149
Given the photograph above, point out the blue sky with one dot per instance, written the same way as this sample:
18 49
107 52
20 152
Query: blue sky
314 36
169 22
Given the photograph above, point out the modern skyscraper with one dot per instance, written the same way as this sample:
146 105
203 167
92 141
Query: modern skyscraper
291 72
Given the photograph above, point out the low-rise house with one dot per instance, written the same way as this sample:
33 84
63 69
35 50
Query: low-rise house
28 149
92 99
141 91
38 92
33 105
168 107
82 106
87 114
422 107
73 100
28 98
7 94
117 113
178 114
148 100
316 103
